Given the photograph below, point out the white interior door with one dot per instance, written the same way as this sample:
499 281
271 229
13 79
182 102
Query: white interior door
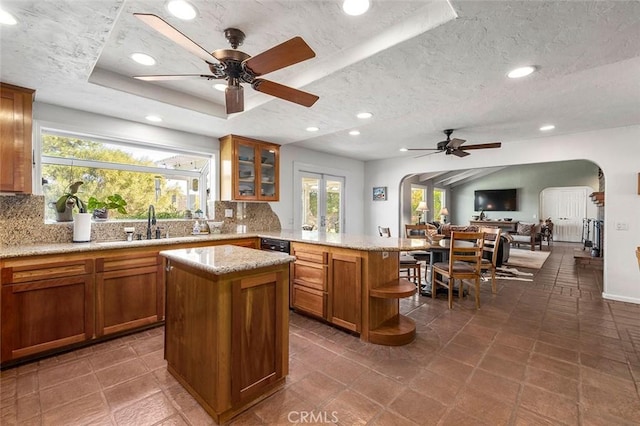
321 201
566 206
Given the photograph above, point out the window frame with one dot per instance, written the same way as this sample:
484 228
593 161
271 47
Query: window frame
51 129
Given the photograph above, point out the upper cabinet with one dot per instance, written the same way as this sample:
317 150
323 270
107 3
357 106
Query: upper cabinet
15 139
249 169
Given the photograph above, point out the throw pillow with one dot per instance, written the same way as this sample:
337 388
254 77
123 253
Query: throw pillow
525 228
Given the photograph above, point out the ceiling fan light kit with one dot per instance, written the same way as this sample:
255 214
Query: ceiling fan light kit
238 67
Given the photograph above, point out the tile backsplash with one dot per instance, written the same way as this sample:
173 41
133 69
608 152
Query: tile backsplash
22 222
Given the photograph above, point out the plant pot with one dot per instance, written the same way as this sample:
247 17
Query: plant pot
82 228
66 215
100 215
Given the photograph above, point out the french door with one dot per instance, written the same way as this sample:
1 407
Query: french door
322 202
566 206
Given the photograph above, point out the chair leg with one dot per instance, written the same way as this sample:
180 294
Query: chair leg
477 292
434 286
451 284
493 280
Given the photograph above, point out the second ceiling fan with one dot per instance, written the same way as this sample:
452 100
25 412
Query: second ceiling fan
454 146
238 67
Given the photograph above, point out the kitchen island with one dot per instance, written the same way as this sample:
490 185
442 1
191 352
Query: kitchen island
226 326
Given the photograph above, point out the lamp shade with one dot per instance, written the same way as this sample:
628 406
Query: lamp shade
422 207
444 212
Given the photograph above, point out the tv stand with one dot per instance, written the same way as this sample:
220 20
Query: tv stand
505 225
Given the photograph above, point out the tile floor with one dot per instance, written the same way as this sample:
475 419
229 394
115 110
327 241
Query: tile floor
547 352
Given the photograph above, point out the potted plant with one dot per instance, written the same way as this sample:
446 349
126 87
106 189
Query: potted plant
67 201
101 207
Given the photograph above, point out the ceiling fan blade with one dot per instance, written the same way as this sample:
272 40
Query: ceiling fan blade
455 143
288 53
423 149
484 146
459 153
284 92
173 77
430 153
164 28
234 98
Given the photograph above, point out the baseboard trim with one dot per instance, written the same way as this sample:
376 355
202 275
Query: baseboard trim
621 298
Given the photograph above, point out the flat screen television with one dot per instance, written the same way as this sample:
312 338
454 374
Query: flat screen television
500 200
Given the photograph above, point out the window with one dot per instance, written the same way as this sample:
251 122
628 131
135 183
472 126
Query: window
418 194
439 202
172 181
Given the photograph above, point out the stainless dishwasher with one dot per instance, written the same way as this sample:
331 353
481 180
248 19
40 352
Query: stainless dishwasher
273 244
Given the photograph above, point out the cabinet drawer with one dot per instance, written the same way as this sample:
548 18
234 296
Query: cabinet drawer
319 257
310 275
309 300
106 264
45 271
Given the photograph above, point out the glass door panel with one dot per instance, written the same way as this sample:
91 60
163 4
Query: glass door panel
267 172
322 202
246 170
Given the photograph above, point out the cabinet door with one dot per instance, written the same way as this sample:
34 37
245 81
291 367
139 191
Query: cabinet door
269 172
345 282
246 172
129 293
259 329
15 139
38 316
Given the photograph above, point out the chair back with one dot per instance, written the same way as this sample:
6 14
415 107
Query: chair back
491 243
384 231
466 247
420 231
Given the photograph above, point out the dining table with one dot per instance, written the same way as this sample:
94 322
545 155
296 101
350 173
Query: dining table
439 252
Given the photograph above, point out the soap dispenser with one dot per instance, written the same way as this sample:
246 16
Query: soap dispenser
196 228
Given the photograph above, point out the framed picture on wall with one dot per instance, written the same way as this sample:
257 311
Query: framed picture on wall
379 193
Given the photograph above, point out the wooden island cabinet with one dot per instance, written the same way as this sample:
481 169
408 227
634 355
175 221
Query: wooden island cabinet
227 329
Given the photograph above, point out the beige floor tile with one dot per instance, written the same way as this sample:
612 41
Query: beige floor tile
122 372
147 411
53 397
128 392
79 412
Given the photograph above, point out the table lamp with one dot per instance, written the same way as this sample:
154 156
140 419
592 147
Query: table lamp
443 214
422 207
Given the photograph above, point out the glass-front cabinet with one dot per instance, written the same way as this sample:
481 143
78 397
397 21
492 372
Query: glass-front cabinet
249 169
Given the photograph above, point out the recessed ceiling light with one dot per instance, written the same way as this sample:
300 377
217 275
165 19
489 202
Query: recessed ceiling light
6 18
182 9
153 118
404 149
521 72
547 127
220 86
354 132
143 59
312 129
355 7
364 115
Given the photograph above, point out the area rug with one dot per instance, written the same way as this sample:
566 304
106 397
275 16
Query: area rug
507 273
527 258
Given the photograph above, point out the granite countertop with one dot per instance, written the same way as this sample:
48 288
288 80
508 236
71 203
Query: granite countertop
349 241
225 259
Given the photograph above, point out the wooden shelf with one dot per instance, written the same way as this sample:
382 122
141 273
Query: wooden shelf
394 290
396 331
597 198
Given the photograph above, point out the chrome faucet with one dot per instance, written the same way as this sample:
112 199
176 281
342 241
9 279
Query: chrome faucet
151 220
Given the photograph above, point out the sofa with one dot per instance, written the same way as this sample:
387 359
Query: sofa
447 228
527 234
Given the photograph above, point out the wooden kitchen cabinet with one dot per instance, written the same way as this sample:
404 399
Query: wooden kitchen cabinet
16 156
345 290
250 169
308 291
46 305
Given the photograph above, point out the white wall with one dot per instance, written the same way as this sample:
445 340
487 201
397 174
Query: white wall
352 170
616 151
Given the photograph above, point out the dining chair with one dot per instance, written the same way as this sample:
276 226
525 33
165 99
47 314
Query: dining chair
408 263
490 253
465 257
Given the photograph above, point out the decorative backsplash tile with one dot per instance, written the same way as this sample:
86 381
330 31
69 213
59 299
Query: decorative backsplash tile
22 222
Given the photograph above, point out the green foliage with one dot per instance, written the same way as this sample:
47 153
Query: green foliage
137 188
69 198
113 202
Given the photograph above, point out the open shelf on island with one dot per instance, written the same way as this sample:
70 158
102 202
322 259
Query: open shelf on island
396 331
399 288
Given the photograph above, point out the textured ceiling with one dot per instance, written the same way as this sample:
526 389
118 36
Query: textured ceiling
419 67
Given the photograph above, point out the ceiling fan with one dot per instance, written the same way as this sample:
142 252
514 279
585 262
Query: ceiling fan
453 146
238 67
